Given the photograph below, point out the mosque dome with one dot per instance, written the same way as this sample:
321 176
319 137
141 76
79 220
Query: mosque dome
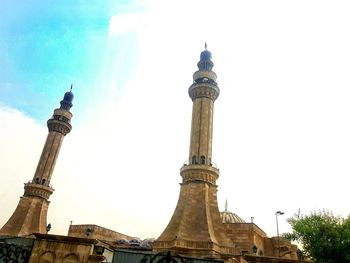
147 243
228 217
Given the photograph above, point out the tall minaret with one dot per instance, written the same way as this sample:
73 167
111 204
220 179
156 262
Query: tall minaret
195 227
30 214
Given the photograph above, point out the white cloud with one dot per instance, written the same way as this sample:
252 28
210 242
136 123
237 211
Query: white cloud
123 23
21 139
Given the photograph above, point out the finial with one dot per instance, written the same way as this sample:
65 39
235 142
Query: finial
226 204
71 87
205 45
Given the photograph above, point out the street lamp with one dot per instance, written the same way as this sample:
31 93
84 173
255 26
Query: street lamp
88 231
254 249
278 213
48 228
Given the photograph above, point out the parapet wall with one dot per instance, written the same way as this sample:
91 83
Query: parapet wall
96 232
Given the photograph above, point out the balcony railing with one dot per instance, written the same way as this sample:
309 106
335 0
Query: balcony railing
211 163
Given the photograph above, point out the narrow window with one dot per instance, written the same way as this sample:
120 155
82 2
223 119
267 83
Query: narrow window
43 181
202 159
194 159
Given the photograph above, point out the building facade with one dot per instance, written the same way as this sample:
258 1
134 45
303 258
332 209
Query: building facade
197 228
196 232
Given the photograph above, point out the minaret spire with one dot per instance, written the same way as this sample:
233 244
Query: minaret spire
195 227
30 214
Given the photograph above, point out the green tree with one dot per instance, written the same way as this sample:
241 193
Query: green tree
325 237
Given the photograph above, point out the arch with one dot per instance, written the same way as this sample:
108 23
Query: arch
194 159
37 180
203 159
47 257
43 181
71 258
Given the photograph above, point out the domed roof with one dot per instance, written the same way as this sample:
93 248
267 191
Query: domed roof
205 55
68 97
147 242
205 63
229 217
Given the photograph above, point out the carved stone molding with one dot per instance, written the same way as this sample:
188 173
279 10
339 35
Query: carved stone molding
203 90
58 126
37 190
204 173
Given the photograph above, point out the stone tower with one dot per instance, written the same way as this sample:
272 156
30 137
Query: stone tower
30 214
195 227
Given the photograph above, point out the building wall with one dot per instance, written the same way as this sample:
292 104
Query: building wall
63 249
280 247
245 235
96 232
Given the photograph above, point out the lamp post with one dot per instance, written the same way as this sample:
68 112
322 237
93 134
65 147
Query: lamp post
48 228
254 249
88 231
278 213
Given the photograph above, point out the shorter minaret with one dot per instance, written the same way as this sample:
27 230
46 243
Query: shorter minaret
31 212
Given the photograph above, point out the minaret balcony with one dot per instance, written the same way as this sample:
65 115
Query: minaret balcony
203 90
38 190
199 173
59 126
212 164
200 75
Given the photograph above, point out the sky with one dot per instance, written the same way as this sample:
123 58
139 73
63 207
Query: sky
281 122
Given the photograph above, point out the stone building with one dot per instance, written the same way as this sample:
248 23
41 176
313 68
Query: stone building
63 249
197 228
247 236
197 231
96 232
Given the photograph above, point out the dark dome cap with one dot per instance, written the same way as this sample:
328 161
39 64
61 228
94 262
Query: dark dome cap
205 55
205 62
68 96
66 103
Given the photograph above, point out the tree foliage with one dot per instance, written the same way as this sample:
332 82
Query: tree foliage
325 237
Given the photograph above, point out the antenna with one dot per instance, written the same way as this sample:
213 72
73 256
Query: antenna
205 45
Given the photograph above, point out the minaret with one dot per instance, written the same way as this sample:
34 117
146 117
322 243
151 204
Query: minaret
195 227
30 214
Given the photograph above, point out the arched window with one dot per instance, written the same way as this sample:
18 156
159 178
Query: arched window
194 159
47 257
37 180
71 258
202 159
43 181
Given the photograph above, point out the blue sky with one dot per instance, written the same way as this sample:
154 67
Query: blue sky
48 45
281 129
